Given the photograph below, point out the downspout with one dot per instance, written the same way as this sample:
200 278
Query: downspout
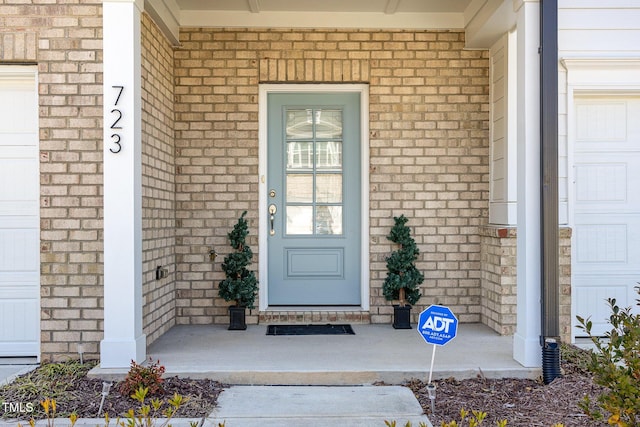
550 304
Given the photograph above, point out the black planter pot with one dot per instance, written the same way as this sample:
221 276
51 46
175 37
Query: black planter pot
237 318
402 317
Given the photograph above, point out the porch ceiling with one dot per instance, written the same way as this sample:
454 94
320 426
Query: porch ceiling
471 15
380 6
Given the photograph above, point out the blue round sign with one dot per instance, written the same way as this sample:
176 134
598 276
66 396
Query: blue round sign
437 325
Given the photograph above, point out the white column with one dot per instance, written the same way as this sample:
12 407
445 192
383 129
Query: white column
526 342
123 338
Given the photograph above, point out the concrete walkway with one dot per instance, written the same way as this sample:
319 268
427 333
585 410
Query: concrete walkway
297 406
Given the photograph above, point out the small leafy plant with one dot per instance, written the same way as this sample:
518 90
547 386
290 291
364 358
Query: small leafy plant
616 365
145 416
148 412
473 419
240 284
408 424
403 278
49 407
139 376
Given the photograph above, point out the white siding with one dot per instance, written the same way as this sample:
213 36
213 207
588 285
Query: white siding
599 28
594 29
502 203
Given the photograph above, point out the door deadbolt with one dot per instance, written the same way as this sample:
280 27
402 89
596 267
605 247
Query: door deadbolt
272 193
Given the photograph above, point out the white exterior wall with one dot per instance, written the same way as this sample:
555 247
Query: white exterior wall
600 31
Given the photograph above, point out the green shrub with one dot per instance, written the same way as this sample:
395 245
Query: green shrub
403 278
616 366
240 284
147 377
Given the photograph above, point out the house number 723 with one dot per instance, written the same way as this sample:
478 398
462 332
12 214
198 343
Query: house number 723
117 116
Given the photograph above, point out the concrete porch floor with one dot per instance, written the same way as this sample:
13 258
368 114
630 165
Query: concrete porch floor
375 353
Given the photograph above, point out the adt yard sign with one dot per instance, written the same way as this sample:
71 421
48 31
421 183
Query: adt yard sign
437 325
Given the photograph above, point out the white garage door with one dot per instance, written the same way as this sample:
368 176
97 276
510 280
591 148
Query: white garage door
19 213
606 257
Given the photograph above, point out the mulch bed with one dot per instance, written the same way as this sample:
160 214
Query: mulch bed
74 392
201 397
522 402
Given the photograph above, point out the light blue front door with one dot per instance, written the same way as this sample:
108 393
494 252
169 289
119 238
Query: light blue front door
313 182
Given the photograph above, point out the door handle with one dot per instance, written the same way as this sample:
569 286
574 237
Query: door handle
272 216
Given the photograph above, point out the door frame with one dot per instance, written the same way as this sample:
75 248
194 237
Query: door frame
264 91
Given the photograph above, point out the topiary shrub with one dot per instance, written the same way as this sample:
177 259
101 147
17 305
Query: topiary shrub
616 365
403 278
240 285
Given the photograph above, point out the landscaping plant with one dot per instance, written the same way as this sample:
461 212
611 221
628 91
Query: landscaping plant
616 365
403 278
145 416
139 376
148 413
240 284
472 420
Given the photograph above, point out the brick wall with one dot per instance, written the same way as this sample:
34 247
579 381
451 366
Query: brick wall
428 149
499 280
158 181
499 293
64 40
564 267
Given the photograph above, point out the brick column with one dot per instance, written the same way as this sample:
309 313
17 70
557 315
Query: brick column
123 338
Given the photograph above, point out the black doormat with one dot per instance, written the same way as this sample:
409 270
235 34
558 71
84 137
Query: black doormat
327 329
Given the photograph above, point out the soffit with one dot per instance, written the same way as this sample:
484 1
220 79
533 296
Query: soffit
483 20
409 14
380 6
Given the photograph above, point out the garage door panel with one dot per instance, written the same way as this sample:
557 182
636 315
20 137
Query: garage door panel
598 121
16 250
607 182
591 299
607 244
601 182
20 329
607 125
18 114
22 172
602 244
